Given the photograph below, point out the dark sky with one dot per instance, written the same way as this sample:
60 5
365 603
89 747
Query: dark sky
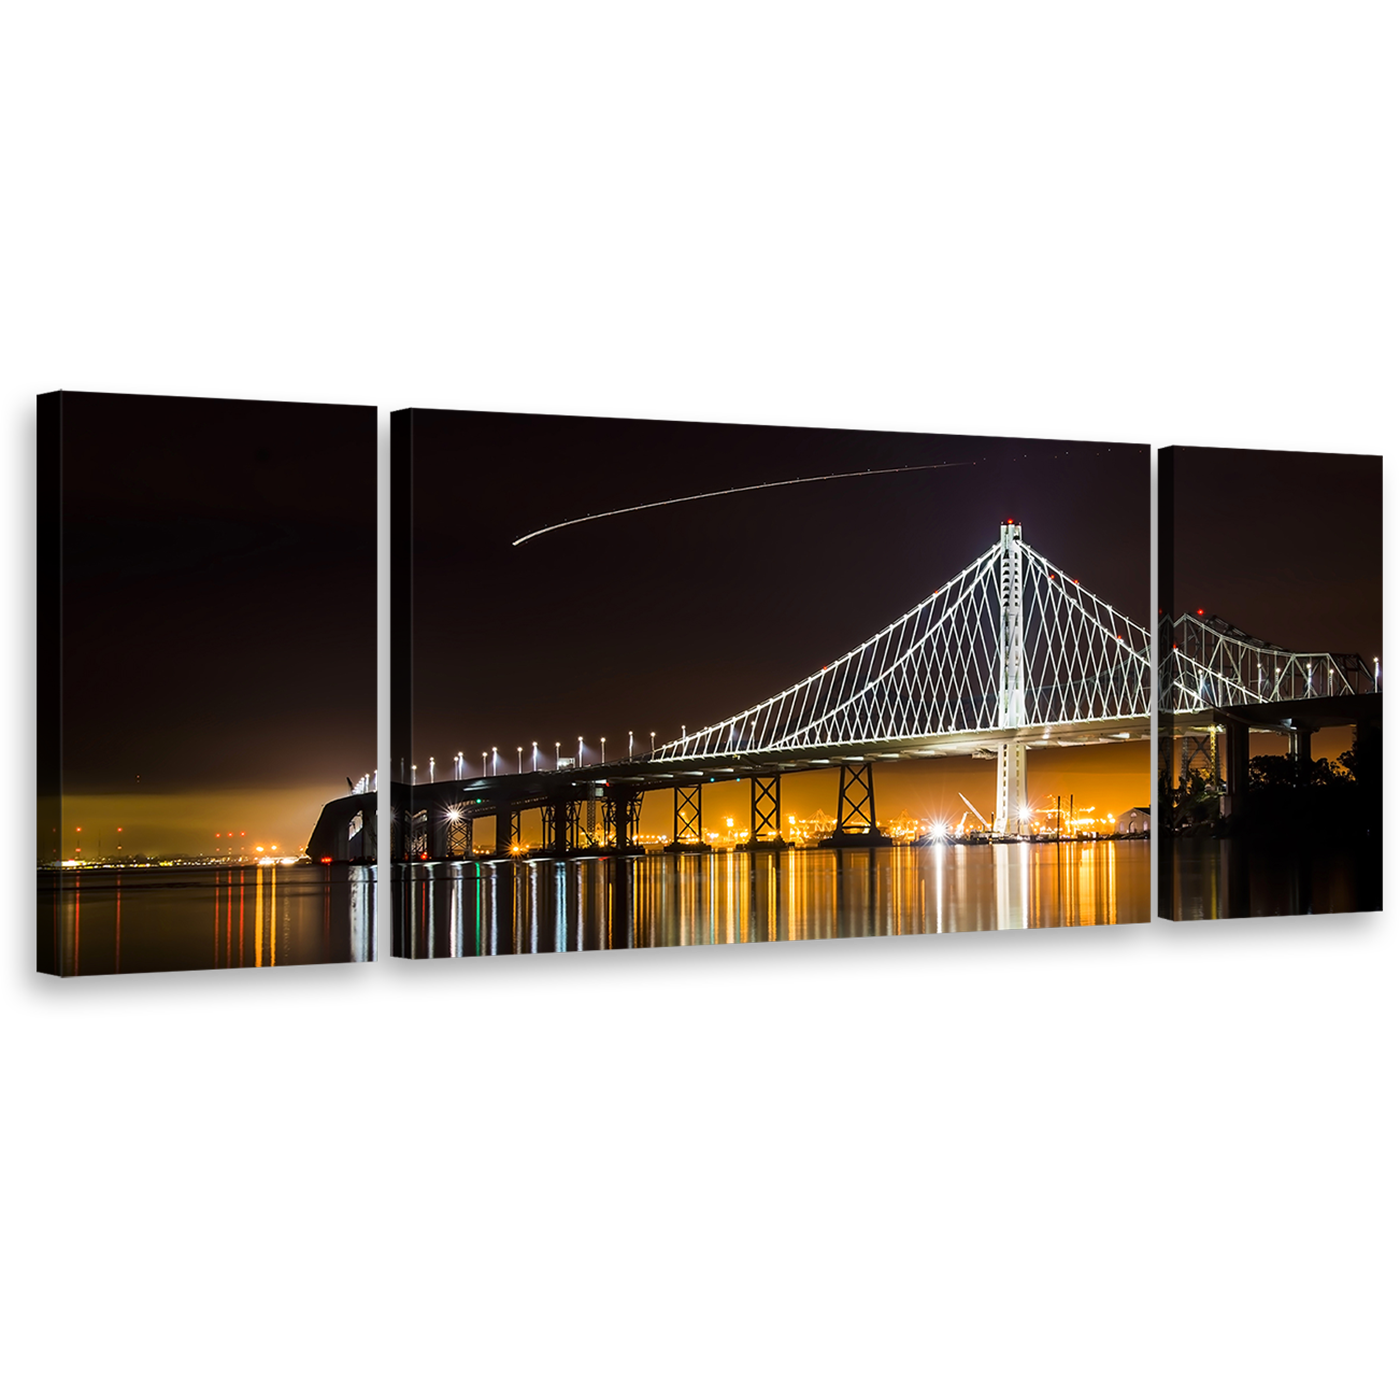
1286 545
689 613
218 572
219 562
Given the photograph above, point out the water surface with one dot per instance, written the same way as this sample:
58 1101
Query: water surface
108 921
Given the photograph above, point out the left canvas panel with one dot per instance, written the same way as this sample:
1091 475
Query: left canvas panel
206 683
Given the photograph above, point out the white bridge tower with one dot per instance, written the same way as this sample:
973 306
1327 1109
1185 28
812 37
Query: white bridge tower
1011 679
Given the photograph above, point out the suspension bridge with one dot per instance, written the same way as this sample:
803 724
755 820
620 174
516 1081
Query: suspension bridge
1011 655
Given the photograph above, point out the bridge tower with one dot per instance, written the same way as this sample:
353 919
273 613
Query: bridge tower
1011 678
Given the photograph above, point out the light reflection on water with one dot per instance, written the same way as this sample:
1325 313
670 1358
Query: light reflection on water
165 920
471 908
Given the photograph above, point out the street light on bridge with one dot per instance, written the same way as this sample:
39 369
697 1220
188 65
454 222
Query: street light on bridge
629 743
653 741
556 753
580 750
431 761
534 757
519 758
604 743
484 757
495 758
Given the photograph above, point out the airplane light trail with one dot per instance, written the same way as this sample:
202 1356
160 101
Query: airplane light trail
734 491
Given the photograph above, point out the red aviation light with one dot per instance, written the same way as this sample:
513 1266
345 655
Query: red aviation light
1200 612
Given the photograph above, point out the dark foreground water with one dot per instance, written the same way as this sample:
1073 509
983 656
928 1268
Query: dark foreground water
470 908
1236 879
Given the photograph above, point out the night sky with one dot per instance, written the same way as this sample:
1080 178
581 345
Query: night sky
219 596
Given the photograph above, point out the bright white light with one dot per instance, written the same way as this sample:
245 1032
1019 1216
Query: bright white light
734 491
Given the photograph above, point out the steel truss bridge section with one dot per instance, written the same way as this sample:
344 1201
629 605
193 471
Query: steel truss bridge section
1212 665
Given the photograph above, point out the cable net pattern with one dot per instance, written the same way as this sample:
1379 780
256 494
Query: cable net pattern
959 664
942 668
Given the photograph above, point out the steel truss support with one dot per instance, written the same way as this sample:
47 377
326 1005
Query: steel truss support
622 812
1198 755
558 820
459 838
1011 682
687 834
415 843
766 811
855 810
855 807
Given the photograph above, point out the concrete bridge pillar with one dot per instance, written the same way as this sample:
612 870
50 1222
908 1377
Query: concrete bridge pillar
1300 750
558 826
507 830
439 831
1012 797
1236 796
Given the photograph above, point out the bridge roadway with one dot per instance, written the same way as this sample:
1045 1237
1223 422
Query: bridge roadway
570 788
432 821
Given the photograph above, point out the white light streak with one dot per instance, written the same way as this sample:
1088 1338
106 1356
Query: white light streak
734 491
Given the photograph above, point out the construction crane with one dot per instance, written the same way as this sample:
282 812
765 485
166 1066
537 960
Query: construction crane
975 813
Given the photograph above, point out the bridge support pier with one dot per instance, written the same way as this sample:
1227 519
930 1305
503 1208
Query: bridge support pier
687 834
622 812
416 832
855 809
1198 755
1300 751
507 831
455 840
557 818
1236 795
765 813
1011 788
437 832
